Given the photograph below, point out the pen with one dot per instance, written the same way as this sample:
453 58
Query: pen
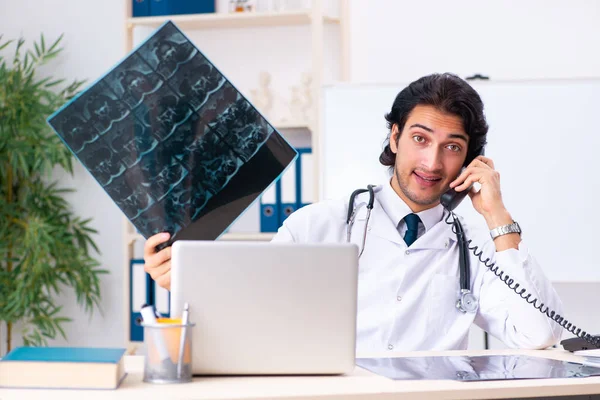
184 321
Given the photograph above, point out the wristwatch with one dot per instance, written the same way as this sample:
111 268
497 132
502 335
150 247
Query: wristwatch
505 229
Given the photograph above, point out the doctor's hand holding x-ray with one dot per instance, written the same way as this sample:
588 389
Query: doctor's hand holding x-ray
409 275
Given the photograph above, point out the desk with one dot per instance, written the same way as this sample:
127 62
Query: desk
361 384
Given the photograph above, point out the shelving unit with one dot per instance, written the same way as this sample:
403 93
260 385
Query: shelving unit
256 236
237 20
316 19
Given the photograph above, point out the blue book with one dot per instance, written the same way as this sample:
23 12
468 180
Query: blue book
63 368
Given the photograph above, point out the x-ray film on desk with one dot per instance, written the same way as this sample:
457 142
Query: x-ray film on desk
174 144
478 368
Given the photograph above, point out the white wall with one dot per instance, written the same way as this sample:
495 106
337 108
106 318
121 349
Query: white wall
392 41
398 41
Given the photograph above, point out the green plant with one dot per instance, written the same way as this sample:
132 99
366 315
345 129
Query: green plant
43 246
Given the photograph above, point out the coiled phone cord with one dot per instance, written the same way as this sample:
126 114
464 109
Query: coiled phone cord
537 304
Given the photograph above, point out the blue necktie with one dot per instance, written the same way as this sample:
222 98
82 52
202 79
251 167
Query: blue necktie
412 228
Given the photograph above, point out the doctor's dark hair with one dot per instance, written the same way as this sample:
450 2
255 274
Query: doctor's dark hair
449 94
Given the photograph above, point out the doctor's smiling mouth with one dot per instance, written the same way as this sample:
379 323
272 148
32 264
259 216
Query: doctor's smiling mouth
426 180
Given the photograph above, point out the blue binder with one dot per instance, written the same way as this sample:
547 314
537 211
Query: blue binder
288 192
139 289
294 189
174 7
269 209
142 290
304 177
140 8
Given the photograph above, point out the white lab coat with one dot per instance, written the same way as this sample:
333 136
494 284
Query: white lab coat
407 296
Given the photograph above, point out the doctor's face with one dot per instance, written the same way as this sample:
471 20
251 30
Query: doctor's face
429 154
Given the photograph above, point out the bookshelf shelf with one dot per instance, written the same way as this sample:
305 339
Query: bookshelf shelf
254 236
292 125
232 20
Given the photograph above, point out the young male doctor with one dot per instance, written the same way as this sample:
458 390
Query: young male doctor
409 266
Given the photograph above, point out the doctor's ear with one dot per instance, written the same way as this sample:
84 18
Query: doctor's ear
394 138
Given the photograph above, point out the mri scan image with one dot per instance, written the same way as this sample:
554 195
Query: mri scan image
172 141
197 81
133 80
130 138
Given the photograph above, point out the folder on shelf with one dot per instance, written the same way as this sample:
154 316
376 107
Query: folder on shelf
139 294
269 218
143 290
175 7
305 177
140 8
162 300
289 188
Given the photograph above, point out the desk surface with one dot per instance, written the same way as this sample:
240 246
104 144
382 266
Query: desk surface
361 384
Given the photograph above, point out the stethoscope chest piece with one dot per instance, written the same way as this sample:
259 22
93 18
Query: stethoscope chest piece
467 302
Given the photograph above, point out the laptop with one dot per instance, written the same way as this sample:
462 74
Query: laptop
264 308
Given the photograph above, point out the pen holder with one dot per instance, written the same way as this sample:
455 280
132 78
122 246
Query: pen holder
164 362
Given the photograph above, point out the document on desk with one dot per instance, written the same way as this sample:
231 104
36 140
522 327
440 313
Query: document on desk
477 368
174 144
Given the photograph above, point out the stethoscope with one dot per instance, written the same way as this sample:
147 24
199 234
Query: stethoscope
466 302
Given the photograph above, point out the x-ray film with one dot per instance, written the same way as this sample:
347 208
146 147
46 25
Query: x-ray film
175 145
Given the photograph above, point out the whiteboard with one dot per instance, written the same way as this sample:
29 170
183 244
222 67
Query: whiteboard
544 138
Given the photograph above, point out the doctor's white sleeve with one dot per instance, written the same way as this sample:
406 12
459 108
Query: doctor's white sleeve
504 313
283 235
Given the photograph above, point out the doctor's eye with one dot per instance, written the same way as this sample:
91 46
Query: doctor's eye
419 139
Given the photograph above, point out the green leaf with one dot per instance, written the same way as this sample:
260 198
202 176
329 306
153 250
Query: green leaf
3 46
56 43
51 55
55 82
20 44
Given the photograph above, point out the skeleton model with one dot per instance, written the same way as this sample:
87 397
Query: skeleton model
307 101
262 98
296 105
301 100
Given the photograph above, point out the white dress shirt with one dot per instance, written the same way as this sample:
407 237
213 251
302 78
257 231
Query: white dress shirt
407 295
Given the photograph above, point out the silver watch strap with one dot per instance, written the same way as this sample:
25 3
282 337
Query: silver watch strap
505 229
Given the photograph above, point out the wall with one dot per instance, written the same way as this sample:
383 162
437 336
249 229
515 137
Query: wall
392 41
397 41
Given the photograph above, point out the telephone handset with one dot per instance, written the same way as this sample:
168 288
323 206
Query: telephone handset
451 198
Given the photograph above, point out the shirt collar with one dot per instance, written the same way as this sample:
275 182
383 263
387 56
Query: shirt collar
397 209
